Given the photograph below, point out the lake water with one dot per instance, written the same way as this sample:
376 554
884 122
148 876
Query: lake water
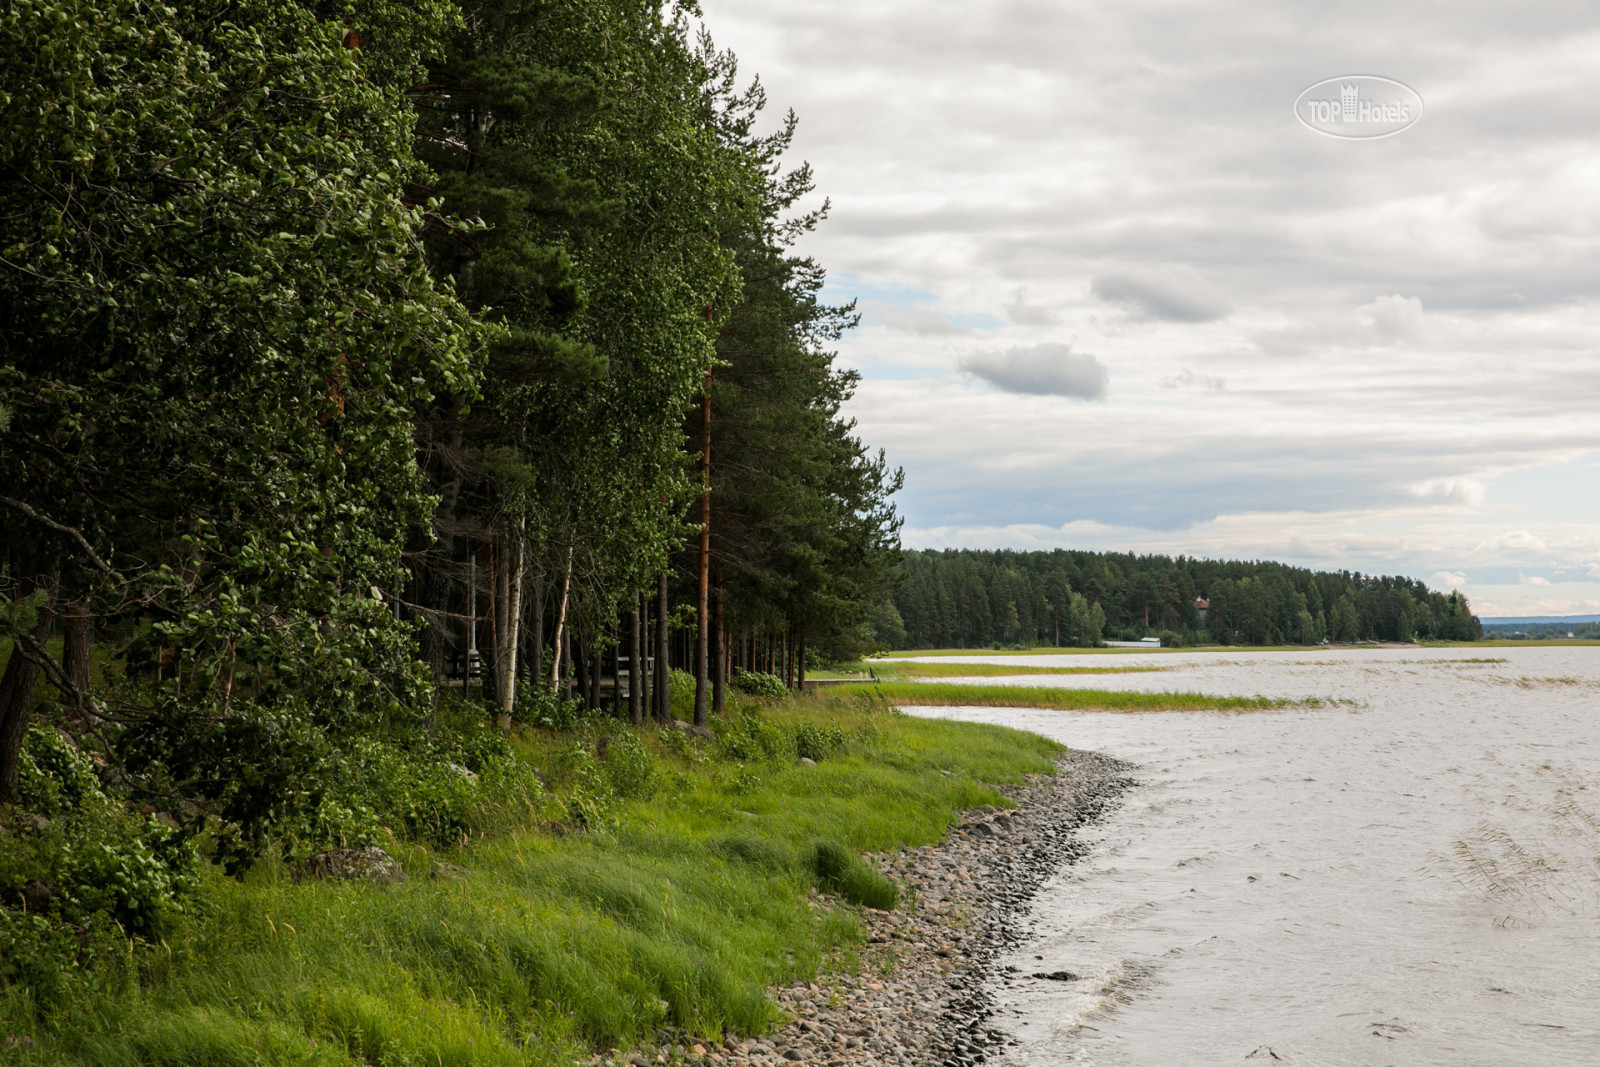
1409 878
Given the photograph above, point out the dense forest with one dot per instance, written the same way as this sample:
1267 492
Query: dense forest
354 355
976 599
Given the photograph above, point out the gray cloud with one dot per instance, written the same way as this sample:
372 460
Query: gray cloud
1025 314
1042 370
1175 293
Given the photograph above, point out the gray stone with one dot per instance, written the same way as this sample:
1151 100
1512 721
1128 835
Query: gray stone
370 864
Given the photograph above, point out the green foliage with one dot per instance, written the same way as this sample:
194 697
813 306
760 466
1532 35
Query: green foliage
841 871
138 872
680 690
745 737
549 946
538 705
757 683
101 862
818 742
39 958
980 599
631 767
219 326
55 777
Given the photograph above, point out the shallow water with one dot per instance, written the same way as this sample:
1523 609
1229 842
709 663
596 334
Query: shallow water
1409 878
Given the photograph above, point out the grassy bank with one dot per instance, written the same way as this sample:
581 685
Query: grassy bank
653 880
894 670
950 694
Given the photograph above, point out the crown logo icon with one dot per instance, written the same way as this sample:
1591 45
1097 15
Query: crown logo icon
1347 102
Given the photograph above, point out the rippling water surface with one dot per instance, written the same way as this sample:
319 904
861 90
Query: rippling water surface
1409 878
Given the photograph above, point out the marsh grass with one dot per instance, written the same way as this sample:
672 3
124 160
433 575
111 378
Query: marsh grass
894 670
539 944
950 694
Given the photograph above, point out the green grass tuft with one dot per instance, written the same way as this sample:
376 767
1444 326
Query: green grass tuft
841 871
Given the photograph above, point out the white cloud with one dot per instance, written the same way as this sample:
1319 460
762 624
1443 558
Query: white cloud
1175 293
1532 579
1468 491
1025 314
1042 370
1448 581
1398 317
916 320
1404 329
1188 379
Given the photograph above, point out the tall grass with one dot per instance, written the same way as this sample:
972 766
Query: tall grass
894 670
542 943
949 694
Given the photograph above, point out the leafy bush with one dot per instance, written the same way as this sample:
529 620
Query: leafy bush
818 742
54 777
630 767
536 705
841 871
591 802
680 694
139 872
758 684
744 737
97 858
436 789
37 955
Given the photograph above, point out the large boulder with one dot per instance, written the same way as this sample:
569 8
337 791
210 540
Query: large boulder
370 864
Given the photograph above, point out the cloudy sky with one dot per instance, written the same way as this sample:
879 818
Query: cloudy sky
1115 295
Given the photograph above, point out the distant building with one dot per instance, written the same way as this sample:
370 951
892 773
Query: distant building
1201 606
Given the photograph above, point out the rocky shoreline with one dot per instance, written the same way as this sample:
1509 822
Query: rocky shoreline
921 996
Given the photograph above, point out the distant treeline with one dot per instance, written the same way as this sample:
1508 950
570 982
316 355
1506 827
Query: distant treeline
961 598
1543 631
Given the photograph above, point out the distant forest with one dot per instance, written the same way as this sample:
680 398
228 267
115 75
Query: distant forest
962 598
1544 631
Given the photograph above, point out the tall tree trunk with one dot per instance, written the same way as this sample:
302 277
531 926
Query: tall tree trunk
800 659
490 686
561 622
596 656
536 661
702 611
635 665
512 628
663 653
17 688
647 709
77 635
433 594
719 672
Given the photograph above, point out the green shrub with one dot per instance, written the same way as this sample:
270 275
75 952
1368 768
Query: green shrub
54 777
818 742
536 705
841 871
630 767
139 872
680 694
758 684
39 956
591 802
743 737
99 859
